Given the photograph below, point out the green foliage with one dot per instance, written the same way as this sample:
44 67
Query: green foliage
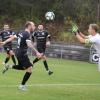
17 12
66 37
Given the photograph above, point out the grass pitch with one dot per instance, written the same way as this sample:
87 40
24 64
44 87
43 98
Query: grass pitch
72 80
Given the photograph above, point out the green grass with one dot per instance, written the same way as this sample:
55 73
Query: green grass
66 72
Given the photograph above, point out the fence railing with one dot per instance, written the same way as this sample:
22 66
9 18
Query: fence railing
68 51
63 51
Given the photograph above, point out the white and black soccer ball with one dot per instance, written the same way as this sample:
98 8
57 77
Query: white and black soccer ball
50 16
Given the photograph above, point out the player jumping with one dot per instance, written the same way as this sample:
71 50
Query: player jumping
42 38
24 42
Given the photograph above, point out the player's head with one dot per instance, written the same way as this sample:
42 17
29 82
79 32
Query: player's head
30 26
93 29
40 27
6 27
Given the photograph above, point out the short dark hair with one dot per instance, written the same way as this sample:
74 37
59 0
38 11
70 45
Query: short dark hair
95 27
28 23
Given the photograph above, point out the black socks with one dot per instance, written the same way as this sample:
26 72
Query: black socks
26 77
36 60
7 59
46 65
44 62
13 59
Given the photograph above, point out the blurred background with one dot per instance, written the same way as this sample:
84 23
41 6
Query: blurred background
64 44
83 12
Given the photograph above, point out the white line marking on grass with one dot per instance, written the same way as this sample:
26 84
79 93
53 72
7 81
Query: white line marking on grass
49 85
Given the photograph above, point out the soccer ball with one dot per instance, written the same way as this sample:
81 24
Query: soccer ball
50 16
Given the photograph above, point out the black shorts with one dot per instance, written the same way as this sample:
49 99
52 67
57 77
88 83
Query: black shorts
41 49
23 60
8 49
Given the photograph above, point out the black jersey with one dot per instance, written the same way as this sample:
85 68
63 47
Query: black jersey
5 35
41 37
21 52
22 37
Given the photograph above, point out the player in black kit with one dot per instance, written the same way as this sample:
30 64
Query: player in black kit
24 41
42 39
5 34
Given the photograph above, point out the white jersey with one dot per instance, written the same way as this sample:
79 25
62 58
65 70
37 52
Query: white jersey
95 40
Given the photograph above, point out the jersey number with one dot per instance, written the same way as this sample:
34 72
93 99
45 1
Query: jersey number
19 41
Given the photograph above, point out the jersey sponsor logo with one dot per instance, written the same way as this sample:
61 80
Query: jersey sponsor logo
41 37
42 33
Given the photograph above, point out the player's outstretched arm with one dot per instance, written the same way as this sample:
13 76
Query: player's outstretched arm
9 40
30 45
82 35
80 38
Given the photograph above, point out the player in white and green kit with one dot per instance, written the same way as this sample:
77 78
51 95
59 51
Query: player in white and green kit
93 38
